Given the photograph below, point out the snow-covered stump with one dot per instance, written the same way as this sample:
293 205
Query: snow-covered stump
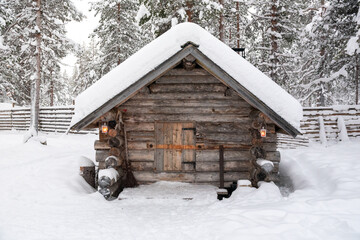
111 182
262 169
87 171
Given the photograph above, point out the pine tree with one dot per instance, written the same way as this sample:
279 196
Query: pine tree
158 16
119 35
329 72
36 41
88 69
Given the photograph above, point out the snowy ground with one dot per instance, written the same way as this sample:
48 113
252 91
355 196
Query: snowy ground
42 197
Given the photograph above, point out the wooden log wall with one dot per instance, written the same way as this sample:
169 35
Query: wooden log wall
219 115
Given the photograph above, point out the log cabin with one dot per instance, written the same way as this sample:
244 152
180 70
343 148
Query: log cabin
187 108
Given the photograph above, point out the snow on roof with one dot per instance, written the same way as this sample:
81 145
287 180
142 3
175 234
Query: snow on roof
168 44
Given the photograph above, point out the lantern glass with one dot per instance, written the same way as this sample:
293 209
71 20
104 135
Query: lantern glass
263 132
104 128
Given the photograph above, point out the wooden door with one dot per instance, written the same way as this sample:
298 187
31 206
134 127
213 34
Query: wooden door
175 146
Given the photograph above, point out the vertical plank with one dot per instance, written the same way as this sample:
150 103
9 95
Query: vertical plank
176 160
159 153
221 165
188 138
168 153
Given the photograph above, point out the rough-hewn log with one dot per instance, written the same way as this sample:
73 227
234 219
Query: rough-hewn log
112 191
101 155
230 166
185 88
116 142
113 161
183 72
186 103
108 177
206 79
161 110
229 155
141 155
186 96
112 133
100 145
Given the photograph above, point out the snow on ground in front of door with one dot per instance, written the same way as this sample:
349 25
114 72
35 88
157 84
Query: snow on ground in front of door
43 197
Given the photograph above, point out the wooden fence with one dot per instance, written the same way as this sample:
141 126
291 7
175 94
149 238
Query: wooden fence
51 119
57 119
325 124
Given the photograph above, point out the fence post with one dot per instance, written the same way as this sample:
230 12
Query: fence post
11 119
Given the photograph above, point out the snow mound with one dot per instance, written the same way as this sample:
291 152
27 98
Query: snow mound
168 191
266 191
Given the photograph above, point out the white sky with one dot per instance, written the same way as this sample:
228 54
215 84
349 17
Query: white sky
79 31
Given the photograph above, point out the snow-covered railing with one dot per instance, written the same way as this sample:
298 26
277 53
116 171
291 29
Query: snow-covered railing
51 119
323 124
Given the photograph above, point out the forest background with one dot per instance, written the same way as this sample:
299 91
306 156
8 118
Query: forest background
309 47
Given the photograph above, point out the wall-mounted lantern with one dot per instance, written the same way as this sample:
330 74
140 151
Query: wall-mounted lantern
104 128
263 132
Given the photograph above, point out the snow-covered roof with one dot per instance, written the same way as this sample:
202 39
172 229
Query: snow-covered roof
167 45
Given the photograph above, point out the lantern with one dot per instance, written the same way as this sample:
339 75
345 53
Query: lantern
104 128
263 132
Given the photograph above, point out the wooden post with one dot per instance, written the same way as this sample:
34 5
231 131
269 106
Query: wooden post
221 165
237 26
221 22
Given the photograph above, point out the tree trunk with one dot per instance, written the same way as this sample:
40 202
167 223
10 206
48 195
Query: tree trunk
188 10
51 90
237 26
221 25
274 44
322 55
35 98
356 79
119 20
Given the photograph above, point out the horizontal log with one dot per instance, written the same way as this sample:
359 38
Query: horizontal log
185 96
101 145
185 117
189 110
143 176
187 88
206 177
183 79
141 155
113 161
141 145
231 166
222 127
139 126
101 155
198 177
141 136
184 72
185 103
229 155
142 166
223 138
